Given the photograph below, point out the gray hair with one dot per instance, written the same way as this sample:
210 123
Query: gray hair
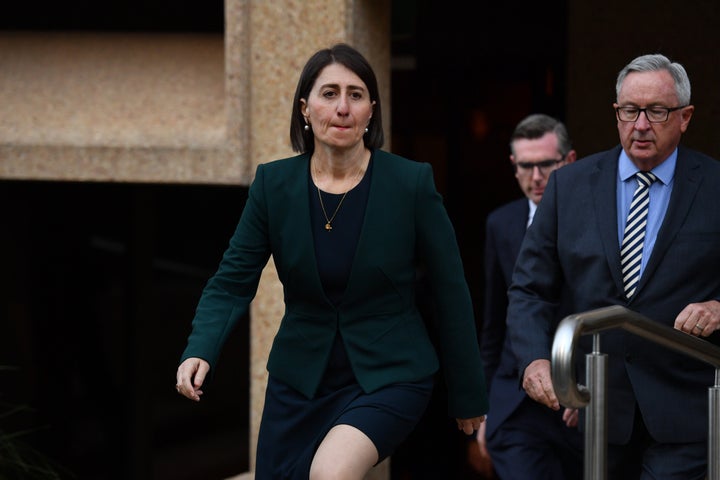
655 63
538 124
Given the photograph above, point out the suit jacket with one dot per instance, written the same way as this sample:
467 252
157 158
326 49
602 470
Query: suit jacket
504 231
384 335
573 243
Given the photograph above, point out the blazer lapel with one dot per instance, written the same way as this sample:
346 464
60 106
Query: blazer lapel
370 240
292 198
686 182
517 225
603 188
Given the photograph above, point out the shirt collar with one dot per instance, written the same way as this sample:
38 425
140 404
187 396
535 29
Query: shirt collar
531 215
664 172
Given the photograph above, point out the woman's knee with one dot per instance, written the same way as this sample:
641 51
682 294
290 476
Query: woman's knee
345 453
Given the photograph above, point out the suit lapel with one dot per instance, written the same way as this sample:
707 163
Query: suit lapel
517 225
373 231
292 197
603 189
686 182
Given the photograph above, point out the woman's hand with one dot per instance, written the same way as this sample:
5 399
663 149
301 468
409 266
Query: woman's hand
190 377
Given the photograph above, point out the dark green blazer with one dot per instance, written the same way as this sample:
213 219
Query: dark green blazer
385 337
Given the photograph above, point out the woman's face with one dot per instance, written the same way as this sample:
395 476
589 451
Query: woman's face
338 107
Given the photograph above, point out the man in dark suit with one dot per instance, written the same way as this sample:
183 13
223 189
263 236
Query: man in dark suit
657 398
525 440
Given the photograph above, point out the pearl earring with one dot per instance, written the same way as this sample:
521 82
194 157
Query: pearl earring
307 127
366 130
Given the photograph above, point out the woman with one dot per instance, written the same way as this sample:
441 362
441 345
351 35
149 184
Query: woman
348 225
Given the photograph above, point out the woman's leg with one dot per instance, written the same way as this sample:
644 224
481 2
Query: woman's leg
345 453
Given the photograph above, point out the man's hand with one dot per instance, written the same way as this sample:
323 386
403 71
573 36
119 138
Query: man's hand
571 417
538 385
699 319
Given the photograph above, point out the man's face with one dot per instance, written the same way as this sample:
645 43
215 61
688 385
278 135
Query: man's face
649 144
534 159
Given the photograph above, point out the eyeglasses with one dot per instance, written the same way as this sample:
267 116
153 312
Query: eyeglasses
653 114
545 166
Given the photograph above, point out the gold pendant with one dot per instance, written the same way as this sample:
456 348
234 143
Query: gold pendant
328 227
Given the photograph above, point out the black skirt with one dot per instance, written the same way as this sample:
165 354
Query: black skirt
293 426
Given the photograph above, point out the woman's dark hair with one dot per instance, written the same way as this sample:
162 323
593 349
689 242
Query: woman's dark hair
347 56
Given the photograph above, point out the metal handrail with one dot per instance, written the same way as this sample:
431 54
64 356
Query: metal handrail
572 395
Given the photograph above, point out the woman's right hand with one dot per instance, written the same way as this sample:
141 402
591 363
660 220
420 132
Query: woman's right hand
190 377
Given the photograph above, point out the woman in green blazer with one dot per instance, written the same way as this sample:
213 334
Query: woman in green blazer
349 226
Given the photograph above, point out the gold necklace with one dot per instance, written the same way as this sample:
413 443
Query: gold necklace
328 221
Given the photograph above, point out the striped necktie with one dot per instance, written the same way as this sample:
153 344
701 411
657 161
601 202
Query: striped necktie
634 235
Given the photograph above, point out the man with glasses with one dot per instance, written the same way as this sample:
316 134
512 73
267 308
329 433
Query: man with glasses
525 440
657 398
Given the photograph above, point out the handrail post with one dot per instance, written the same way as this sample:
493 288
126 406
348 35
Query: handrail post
596 414
573 395
714 429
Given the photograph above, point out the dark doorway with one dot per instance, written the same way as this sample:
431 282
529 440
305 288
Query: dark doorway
463 75
98 287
